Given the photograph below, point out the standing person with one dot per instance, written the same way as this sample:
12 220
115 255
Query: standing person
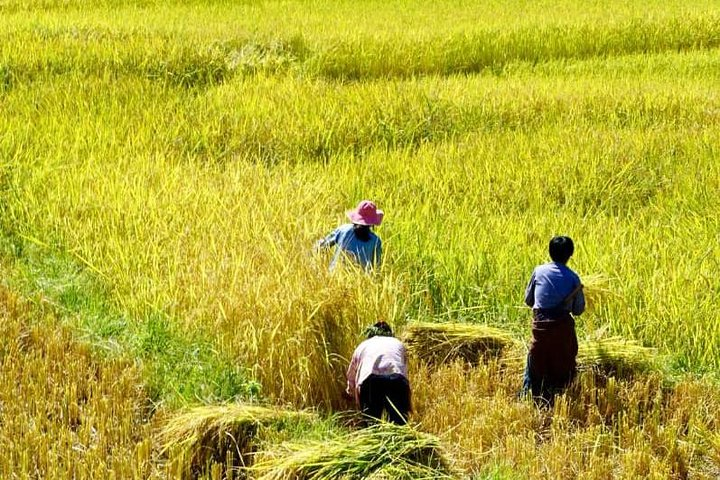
555 295
377 376
356 240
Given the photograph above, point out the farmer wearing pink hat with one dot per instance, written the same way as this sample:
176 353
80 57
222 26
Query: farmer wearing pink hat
356 240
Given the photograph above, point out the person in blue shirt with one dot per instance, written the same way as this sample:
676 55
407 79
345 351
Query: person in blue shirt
356 240
555 294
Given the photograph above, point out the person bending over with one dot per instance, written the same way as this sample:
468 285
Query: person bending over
377 375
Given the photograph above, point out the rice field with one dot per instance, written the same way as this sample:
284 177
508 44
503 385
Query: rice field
165 168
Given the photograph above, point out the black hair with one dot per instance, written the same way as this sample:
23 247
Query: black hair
379 329
561 249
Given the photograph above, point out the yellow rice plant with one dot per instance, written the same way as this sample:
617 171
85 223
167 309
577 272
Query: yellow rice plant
247 278
195 439
63 412
445 342
714 443
600 428
472 410
201 204
381 451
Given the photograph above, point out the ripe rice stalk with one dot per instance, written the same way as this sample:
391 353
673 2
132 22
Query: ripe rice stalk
616 355
381 451
443 342
713 440
224 434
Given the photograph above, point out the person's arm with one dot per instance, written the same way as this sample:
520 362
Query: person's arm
351 388
578 303
530 291
328 241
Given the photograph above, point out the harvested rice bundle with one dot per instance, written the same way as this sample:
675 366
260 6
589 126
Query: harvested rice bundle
616 355
222 434
382 451
443 342
596 288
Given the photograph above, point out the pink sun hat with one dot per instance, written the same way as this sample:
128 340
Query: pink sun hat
366 213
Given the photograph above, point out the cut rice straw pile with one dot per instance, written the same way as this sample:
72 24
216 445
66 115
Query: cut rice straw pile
596 288
438 343
443 342
616 355
381 451
224 434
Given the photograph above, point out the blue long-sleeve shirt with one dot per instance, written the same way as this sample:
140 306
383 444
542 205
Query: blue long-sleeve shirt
549 286
366 253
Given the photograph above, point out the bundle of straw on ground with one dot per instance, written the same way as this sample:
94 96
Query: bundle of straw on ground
197 438
381 451
439 343
616 356
444 342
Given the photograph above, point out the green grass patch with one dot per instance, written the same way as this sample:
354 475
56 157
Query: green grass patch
180 369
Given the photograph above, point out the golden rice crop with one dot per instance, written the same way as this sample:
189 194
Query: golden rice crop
444 342
64 413
600 428
189 154
198 437
713 440
381 451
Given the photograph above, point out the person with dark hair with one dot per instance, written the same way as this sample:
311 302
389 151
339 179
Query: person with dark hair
356 240
555 294
377 376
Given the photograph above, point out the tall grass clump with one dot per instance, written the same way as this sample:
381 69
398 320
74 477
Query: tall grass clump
380 451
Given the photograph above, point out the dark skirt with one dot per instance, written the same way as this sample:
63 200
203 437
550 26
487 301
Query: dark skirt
553 349
390 393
